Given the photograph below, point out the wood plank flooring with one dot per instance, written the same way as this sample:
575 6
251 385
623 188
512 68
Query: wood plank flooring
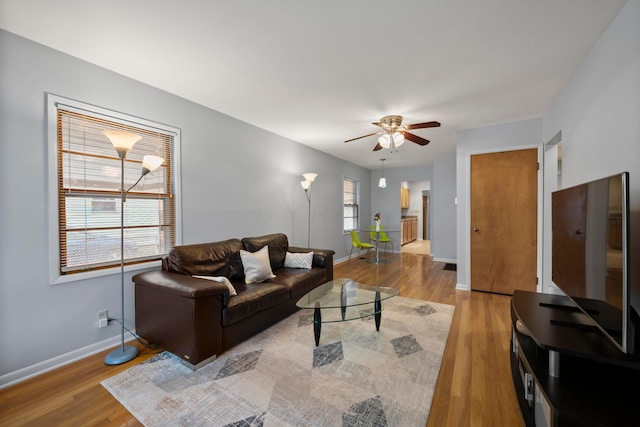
474 386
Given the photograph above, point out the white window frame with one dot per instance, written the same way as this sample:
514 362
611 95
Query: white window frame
53 101
356 181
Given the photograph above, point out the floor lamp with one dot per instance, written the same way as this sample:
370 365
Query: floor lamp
306 186
123 142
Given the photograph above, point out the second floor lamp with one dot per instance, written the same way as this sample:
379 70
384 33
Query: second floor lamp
306 186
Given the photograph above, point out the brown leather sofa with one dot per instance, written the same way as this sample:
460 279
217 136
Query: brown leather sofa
197 319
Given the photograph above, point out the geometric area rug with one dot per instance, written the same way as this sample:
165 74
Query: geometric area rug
356 377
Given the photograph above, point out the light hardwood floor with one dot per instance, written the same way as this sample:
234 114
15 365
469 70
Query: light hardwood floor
474 386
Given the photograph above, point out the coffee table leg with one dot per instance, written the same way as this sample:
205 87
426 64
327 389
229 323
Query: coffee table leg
317 324
377 308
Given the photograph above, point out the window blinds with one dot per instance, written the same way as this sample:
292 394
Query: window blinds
89 194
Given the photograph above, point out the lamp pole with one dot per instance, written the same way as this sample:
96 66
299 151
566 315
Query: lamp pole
123 141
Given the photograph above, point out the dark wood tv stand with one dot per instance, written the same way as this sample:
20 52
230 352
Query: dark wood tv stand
567 373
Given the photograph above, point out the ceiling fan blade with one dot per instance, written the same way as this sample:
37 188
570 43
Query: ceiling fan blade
364 136
423 125
415 138
377 147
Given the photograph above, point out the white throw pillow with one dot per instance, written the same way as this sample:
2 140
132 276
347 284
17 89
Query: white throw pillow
256 265
221 279
298 260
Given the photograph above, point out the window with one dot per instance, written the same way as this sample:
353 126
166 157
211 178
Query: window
351 198
88 195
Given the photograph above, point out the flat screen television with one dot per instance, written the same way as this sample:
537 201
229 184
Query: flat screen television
590 254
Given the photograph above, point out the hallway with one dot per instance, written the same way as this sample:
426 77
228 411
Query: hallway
418 247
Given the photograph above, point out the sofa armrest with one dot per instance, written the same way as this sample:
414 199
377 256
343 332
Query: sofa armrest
182 285
180 313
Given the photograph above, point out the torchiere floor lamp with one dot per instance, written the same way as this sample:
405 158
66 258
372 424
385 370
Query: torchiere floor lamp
123 141
306 186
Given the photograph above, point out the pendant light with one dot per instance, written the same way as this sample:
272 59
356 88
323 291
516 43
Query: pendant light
383 182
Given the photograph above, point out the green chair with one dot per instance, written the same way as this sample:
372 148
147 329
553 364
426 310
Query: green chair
373 236
356 243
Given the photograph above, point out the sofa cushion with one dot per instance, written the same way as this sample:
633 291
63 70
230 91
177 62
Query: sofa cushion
257 268
278 247
298 260
207 259
253 298
300 281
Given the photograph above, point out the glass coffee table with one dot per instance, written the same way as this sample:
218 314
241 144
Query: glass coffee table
344 299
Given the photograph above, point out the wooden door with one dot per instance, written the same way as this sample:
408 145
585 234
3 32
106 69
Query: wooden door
425 206
504 210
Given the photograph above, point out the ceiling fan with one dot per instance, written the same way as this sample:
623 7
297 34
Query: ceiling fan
394 133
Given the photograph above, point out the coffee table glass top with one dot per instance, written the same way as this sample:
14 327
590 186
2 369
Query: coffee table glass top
352 300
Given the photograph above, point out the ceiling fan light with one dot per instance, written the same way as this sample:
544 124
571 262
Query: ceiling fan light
384 140
398 139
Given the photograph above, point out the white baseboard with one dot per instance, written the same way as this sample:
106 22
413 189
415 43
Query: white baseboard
40 368
462 287
449 260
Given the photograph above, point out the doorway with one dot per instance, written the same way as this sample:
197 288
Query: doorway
504 214
425 206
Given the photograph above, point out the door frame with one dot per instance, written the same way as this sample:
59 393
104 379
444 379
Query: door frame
467 213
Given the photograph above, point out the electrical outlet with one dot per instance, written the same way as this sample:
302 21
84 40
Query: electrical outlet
103 318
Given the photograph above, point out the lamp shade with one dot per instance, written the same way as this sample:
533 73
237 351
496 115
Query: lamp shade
152 162
383 182
122 140
384 140
398 139
305 185
309 176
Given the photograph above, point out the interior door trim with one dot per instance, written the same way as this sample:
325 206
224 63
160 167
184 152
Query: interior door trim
467 213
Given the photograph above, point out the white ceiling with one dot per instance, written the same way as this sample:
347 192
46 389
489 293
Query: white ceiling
319 72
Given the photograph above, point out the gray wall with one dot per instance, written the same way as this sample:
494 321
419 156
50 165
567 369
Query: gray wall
441 175
598 112
237 180
443 212
517 135
387 200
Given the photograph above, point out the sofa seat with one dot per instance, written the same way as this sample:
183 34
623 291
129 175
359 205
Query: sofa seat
300 281
252 299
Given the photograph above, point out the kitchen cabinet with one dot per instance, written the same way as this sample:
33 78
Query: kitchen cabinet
405 198
409 229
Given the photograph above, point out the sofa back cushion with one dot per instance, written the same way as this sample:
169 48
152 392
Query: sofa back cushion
278 247
207 259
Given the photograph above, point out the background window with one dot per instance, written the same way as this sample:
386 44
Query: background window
351 203
88 193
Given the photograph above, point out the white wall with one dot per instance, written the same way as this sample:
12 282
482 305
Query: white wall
510 136
237 180
598 112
